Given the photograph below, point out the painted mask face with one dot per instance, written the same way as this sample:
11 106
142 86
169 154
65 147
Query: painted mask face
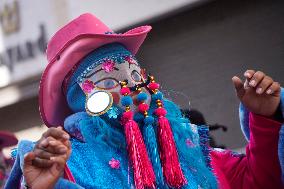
106 77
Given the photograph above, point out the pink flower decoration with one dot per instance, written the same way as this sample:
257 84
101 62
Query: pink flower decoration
130 60
108 66
115 164
88 86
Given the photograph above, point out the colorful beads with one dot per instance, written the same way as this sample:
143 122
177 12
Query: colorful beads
143 107
142 96
88 86
161 112
153 86
126 101
157 96
124 91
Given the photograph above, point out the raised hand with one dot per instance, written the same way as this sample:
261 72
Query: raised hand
44 166
54 141
259 93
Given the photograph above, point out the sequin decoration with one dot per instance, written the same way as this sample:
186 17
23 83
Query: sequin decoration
14 153
189 143
130 60
113 113
114 163
88 86
108 66
115 58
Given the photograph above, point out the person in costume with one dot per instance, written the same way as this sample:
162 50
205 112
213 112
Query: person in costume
119 132
7 139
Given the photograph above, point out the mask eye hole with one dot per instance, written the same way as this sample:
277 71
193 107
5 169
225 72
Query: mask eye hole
107 83
136 76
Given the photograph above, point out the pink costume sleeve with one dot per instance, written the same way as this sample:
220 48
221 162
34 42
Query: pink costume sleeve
260 167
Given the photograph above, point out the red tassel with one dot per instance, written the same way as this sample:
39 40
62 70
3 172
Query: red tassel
144 176
168 153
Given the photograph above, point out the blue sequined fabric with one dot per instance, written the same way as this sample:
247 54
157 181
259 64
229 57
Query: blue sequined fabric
89 161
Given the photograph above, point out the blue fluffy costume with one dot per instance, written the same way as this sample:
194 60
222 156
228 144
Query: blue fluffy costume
98 140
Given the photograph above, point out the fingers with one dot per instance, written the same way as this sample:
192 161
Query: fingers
274 88
45 154
239 86
51 134
262 83
57 133
45 159
52 145
28 158
54 148
58 164
41 153
249 73
256 78
61 160
57 146
42 163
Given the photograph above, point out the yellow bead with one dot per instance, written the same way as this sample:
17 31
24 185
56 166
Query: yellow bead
127 108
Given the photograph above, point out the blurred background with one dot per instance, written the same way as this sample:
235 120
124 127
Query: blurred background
194 50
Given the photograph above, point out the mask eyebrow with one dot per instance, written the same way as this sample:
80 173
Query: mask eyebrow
115 68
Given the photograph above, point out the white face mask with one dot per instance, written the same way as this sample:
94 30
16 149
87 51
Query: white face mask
101 85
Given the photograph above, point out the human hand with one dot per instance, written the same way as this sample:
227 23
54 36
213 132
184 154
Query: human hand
259 93
44 166
55 141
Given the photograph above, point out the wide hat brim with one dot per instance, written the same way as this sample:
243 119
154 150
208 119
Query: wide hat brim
68 46
7 139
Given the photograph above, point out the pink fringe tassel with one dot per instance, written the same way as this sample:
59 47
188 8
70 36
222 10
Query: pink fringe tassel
144 176
168 154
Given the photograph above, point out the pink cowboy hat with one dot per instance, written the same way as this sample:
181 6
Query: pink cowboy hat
67 47
7 139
